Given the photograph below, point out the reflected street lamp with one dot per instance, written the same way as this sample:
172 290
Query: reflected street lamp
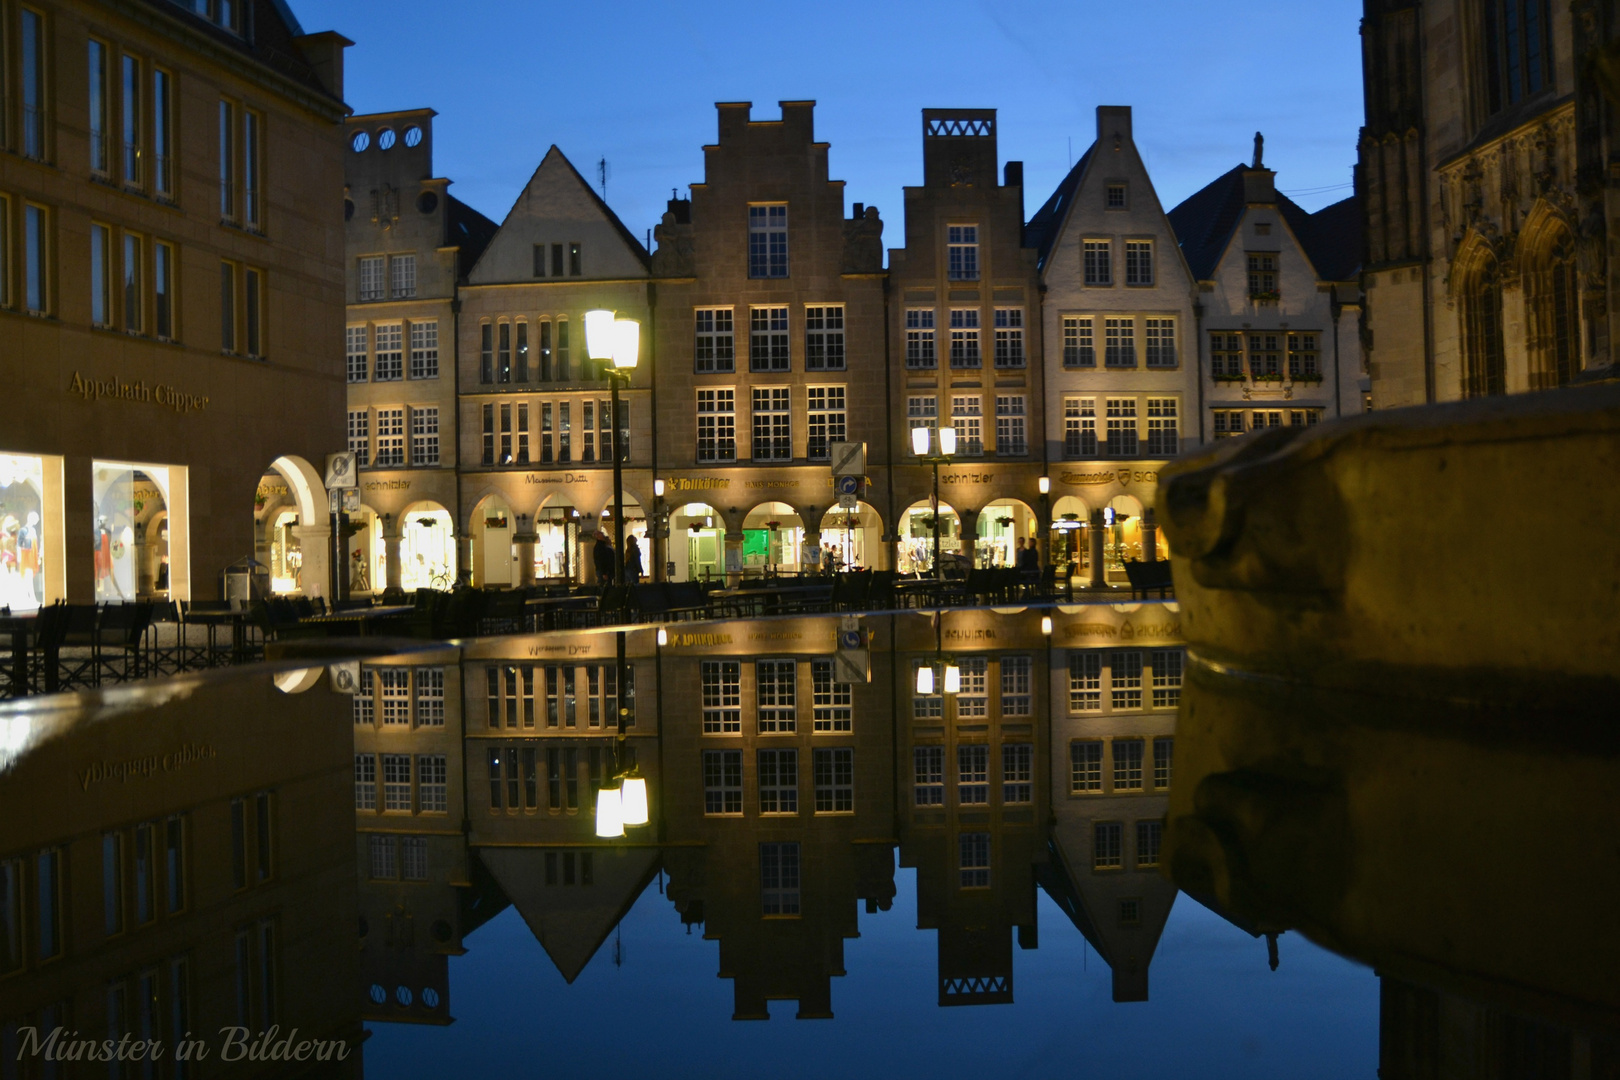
936 447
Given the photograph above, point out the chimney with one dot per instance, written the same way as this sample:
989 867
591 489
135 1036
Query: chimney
733 118
1012 174
1113 126
799 119
1259 186
859 211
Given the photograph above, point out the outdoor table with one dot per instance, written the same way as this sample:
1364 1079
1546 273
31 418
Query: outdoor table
545 608
360 622
236 620
767 599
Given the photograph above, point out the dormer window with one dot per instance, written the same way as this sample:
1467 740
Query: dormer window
1262 228
225 13
1114 197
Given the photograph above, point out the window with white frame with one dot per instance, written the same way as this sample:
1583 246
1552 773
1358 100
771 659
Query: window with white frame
827 421
1085 681
429 696
1303 362
965 338
962 252
1017 686
396 769
768 241
395 684
773 423
365 781
425 435
1119 342
833 773
920 351
402 277
1226 355
1167 668
1139 262
1160 342
1226 423
779 781
715 349
1011 430
1114 196
1265 355
1009 337
776 696
360 436
824 338
1079 427
973 860
355 346
768 339
365 700
1017 772
1085 766
967 417
390 365
425 349
973 697
717 425
928 775
833 700
1127 764
973 775
370 283
390 437
927 706
1163 759
1163 437
1262 275
922 410
779 878
1122 433
432 779
1107 847
1125 678
1097 262
722 782
383 858
1079 346
413 858
1149 835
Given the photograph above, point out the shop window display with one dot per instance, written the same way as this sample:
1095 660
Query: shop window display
1002 528
916 548
131 535
22 532
427 549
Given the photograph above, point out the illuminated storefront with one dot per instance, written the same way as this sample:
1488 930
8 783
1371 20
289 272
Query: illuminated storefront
697 542
133 526
855 537
1003 526
773 539
916 546
22 532
427 548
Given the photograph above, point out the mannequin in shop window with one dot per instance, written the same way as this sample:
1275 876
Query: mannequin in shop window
362 576
104 569
28 560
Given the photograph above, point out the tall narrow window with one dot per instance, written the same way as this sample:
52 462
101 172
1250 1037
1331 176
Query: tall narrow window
827 421
1163 436
1127 764
369 285
722 781
962 252
1517 51
1125 678
1085 681
425 436
145 874
365 781
1079 427
33 85
130 89
964 337
779 781
100 275
561 367
715 349
163 291
1098 262
722 696
1122 431
402 277
390 438
11 915
928 775
1011 432
775 686
1226 355
112 884
972 775
1119 342
717 425
1262 276
1009 337
1161 343
162 133
1017 686
545 433
544 372
100 96
227 167
973 851
503 355
432 779
1484 364
565 434
574 267
239 842
833 770
1107 847
779 878
486 363
1085 767
920 345
48 905
36 258
252 169
227 307
773 424
1139 262
253 311
174 862
1265 355
424 349
521 353
1017 772
390 365
824 338
768 339
132 298
360 441
1079 347
768 241
967 417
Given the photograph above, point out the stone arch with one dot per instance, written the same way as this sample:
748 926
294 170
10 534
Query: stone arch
1547 260
1476 277
307 487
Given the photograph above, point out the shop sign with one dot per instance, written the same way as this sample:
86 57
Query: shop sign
386 485
156 394
699 639
557 478
1125 631
148 767
694 483
770 483
1111 476
967 478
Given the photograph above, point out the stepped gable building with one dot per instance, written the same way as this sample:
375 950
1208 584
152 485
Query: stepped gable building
1484 170
965 349
771 349
1277 303
170 289
1121 374
410 244
536 422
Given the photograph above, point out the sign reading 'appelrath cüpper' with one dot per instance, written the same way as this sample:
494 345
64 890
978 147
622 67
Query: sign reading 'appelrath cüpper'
138 391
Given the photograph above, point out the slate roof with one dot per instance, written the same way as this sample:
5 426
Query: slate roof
1043 228
1206 219
470 230
270 40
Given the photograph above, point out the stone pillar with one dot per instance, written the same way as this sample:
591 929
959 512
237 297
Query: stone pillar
314 543
143 573
733 557
1099 575
523 542
967 524
1150 536
812 547
1043 530
392 529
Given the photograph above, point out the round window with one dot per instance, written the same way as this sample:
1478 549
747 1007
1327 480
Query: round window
427 202
378 994
430 998
385 139
402 995
360 141
441 930
413 135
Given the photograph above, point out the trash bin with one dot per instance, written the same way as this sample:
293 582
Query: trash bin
245 581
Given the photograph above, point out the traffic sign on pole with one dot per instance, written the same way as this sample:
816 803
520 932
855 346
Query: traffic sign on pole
848 459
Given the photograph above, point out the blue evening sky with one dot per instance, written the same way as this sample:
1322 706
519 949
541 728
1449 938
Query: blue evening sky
635 81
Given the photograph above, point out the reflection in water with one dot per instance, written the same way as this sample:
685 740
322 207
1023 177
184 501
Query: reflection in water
207 863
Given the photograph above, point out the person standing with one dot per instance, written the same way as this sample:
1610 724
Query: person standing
602 556
632 561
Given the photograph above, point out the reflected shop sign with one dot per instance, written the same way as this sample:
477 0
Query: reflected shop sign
139 391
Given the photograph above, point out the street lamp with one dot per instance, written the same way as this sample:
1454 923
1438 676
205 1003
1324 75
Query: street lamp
936 447
616 341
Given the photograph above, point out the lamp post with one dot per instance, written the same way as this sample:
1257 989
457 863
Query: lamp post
660 532
936 447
